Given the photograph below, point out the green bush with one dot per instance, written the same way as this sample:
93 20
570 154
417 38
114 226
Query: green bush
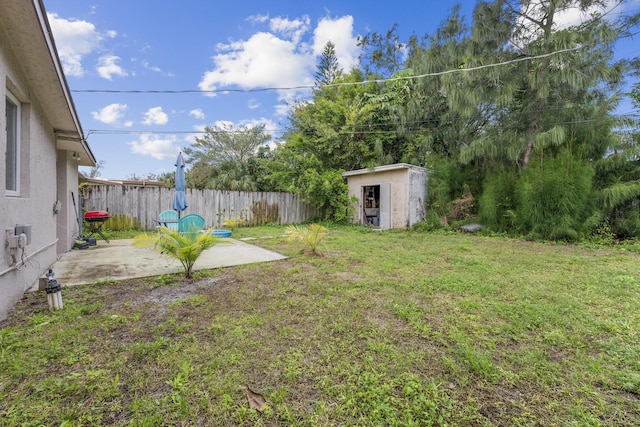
430 223
497 203
328 192
448 181
554 197
602 233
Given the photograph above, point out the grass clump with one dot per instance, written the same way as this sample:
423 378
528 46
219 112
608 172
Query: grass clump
312 236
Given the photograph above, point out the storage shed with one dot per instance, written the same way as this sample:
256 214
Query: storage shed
391 196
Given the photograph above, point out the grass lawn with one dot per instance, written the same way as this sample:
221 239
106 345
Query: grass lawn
388 328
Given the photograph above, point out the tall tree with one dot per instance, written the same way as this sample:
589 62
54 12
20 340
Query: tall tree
550 79
329 67
513 87
552 99
329 134
227 154
617 179
335 125
382 54
425 130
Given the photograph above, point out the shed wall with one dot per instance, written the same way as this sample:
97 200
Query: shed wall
398 179
417 196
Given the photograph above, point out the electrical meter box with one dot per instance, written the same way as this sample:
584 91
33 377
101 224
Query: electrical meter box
24 229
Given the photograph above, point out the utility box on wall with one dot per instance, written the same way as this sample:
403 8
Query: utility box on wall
391 196
24 229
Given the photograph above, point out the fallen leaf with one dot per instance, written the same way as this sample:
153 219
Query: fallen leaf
256 400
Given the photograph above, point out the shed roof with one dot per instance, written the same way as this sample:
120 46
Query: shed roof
385 168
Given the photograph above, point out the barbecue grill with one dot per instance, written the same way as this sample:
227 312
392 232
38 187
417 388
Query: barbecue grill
95 220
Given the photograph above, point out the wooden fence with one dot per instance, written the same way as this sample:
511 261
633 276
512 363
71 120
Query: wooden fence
137 207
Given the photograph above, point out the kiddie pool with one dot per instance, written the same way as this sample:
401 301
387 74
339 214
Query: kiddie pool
221 233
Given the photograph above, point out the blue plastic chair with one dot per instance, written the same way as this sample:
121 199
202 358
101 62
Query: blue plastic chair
170 215
191 223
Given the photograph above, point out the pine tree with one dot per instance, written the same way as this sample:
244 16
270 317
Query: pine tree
328 68
561 96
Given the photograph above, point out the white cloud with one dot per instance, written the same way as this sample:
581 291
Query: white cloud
158 147
190 138
155 116
269 125
286 101
155 69
263 60
108 67
340 32
253 104
282 110
281 58
110 114
197 113
150 67
258 18
572 16
74 40
291 29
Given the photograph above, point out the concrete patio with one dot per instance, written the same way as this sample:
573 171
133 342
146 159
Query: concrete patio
120 260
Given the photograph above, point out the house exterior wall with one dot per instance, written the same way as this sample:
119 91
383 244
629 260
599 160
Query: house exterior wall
20 269
67 194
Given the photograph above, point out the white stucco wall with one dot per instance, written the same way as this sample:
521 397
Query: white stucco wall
408 192
38 189
67 221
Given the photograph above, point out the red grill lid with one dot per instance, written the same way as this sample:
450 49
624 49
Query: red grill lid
96 214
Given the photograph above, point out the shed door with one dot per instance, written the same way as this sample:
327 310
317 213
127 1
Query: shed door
385 206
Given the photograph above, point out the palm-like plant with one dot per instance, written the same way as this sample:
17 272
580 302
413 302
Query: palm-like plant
186 247
312 236
234 223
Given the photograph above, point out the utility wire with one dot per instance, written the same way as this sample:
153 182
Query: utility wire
309 87
358 129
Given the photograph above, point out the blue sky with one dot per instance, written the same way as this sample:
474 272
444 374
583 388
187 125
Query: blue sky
192 45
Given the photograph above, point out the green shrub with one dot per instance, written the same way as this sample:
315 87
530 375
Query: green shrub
448 181
497 203
554 197
328 192
431 222
312 235
186 247
602 233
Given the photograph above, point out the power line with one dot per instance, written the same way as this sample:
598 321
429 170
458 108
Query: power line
356 129
309 87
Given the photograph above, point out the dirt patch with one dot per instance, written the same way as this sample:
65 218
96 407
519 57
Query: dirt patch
185 289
